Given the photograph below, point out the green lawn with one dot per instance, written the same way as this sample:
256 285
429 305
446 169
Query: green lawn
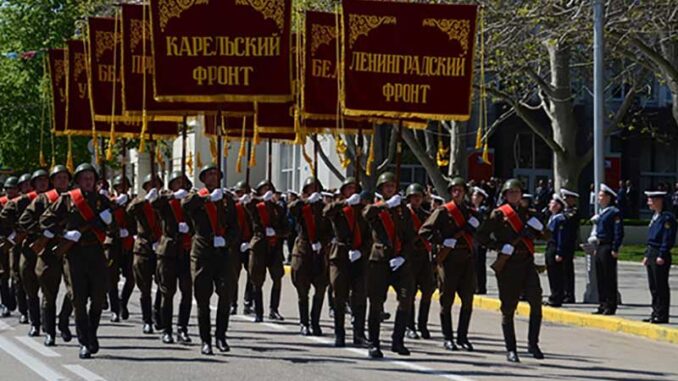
633 253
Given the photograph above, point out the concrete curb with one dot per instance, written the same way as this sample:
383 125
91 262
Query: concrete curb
578 319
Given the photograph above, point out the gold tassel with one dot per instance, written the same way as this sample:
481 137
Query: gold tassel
252 162
189 163
299 137
213 148
69 156
442 157
199 160
370 156
43 162
159 157
479 138
227 141
255 137
486 153
341 152
242 152
308 159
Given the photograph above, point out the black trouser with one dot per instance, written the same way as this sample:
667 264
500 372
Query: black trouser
568 272
606 276
173 269
309 269
424 281
658 279
210 272
263 256
519 276
456 277
120 261
49 270
379 278
242 264
6 297
556 274
349 282
481 269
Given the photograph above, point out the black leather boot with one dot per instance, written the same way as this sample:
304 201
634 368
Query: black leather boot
398 338
446 326
462 329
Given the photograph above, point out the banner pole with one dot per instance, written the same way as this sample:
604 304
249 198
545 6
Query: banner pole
123 159
218 157
315 155
102 158
269 175
358 156
151 156
184 132
247 169
399 151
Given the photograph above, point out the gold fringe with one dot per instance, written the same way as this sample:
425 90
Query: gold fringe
370 156
69 156
213 148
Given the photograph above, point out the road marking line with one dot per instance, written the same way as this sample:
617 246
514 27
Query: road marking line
5 327
41 349
42 369
84 373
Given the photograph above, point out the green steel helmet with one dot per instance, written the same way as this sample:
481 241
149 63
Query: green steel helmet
11 182
205 168
457 181
413 189
120 180
39 173
23 178
348 181
385 178
264 183
242 186
84 167
59 169
310 181
175 175
148 178
512 184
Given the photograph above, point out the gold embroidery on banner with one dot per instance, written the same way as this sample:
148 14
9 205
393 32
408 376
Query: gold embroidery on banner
170 9
361 25
136 32
321 35
270 9
104 42
59 74
79 66
454 28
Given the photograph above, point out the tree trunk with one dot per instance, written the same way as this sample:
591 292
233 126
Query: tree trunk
458 160
669 49
432 169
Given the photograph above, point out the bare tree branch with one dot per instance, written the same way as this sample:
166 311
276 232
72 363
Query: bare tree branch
329 163
392 146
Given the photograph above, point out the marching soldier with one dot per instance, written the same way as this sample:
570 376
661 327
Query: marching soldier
245 224
80 217
174 257
389 264
6 291
420 264
309 255
557 248
214 235
348 259
119 251
510 231
451 228
270 228
8 218
478 201
572 227
660 239
149 232
607 236
49 266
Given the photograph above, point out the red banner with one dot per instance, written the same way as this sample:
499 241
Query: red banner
137 54
57 75
407 60
319 66
233 129
221 50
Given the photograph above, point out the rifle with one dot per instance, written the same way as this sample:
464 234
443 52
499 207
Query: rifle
500 262
38 246
65 245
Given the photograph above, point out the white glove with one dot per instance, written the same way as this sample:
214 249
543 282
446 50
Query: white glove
106 216
316 247
245 199
155 246
152 195
595 217
244 247
217 195
473 222
12 237
122 199
535 224
270 232
507 249
183 227
315 197
104 193
124 233
450 242
394 201
219 241
180 194
268 196
593 240
72 235
354 255
48 234
396 262
354 199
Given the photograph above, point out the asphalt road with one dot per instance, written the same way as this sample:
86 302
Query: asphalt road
275 351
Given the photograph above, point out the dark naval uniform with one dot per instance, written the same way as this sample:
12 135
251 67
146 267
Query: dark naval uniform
660 239
561 244
571 230
609 234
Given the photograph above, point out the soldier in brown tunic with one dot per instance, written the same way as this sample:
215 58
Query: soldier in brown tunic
451 227
348 260
510 231
49 266
214 234
149 231
81 218
173 252
309 255
6 290
270 228
389 264
245 225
